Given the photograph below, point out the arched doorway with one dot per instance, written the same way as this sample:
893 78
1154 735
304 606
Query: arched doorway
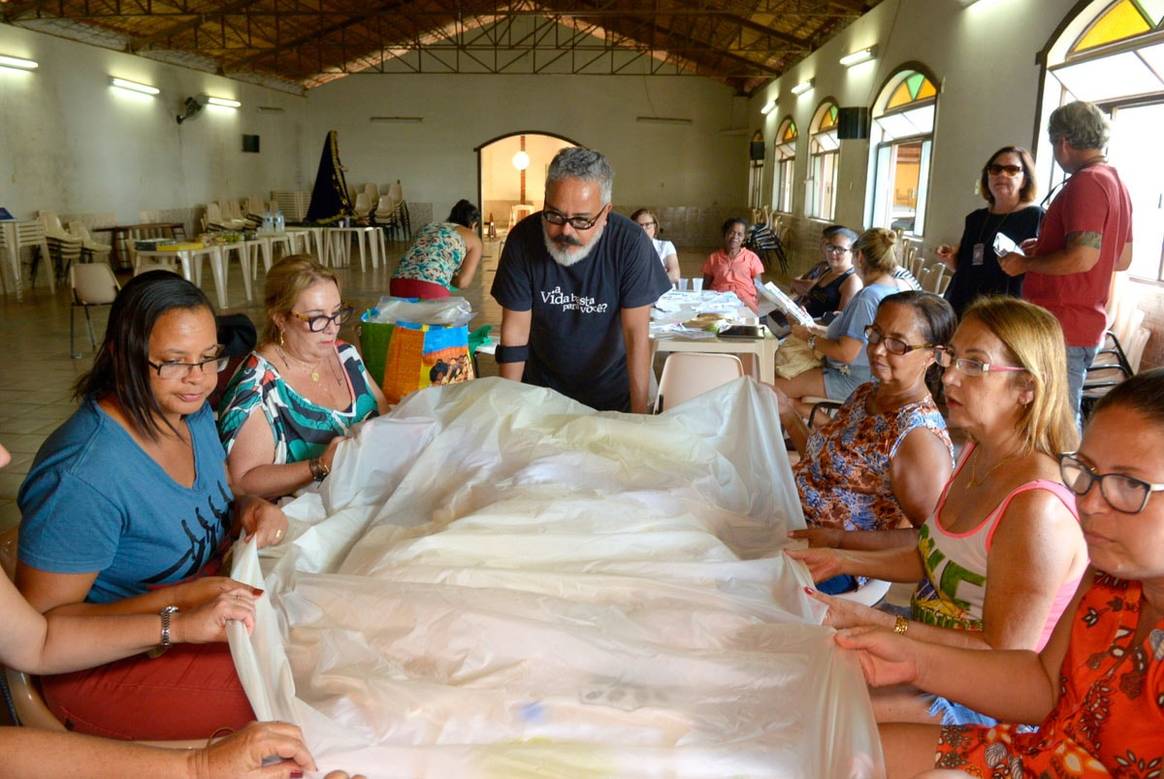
511 175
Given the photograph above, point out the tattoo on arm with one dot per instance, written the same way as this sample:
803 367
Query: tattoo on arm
1089 239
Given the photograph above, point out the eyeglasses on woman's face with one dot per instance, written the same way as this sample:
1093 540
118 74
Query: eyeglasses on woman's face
577 222
171 370
994 169
832 248
645 225
892 345
319 323
1126 494
968 367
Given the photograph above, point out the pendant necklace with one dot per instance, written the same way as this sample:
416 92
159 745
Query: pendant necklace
286 362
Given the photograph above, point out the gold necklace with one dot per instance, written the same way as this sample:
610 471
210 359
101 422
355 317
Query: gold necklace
314 369
974 480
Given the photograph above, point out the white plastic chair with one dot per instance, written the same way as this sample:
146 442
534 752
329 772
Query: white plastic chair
372 191
688 374
94 251
32 234
363 206
93 284
146 267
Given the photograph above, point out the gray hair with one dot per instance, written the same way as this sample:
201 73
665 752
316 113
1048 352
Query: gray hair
577 163
1082 124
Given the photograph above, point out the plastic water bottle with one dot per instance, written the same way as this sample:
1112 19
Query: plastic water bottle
268 222
280 222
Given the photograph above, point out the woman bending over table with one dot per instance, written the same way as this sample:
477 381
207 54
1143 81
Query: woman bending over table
1096 689
442 254
1000 556
299 393
128 509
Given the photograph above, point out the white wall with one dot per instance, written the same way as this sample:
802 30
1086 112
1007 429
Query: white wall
71 144
984 59
657 165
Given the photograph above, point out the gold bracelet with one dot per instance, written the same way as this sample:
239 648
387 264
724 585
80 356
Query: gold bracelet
900 625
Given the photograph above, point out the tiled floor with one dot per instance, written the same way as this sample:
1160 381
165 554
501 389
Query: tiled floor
37 374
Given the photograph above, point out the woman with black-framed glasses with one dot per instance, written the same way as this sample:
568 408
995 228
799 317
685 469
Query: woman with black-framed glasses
295 398
1008 186
1096 690
128 509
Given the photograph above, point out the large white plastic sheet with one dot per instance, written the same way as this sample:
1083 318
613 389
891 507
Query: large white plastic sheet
499 582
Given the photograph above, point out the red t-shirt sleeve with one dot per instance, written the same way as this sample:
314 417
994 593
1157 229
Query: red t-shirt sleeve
1084 212
757 268
707 267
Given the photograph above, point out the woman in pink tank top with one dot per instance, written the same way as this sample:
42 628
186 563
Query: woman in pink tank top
1000 556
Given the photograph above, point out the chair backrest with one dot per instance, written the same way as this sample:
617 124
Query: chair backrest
923 278
80 230
93 283
384 205
372 191
29 233
395 191
213 213
937 272
52 223
687 374
363 204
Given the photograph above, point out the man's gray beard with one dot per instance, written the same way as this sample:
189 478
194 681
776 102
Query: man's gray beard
566 259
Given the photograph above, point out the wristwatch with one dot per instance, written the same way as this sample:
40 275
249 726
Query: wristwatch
319 471
167 613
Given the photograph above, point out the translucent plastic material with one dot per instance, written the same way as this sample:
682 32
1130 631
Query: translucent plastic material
496 581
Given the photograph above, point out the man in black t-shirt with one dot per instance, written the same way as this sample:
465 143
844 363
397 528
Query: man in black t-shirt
576 283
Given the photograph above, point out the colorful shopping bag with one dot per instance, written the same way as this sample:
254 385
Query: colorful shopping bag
420 356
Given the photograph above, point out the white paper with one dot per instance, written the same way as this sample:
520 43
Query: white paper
772 298
1003 245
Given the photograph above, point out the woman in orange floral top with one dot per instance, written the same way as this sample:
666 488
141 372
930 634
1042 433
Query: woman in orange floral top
1097 688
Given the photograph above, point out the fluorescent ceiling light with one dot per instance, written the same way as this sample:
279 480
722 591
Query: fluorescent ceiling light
133 86
397 119
768 108
859 56
802 87
223 102
663 119
17 63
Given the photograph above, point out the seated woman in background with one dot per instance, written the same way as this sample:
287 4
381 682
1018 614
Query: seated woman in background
1008 185
880 462
842 343
646 219
734 268
833 288
1000 556
295 398
442 254
128 508
1096 690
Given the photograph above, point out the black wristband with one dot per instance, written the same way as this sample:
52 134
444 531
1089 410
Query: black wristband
511 353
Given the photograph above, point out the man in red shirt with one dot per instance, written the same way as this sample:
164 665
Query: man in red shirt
1085 238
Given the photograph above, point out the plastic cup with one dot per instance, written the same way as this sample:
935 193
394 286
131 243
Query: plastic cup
683 284
697 285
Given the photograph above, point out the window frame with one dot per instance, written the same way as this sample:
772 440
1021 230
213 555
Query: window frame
822 164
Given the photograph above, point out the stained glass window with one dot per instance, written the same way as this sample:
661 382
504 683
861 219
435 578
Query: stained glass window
1123 19
786 137
913 88
822 149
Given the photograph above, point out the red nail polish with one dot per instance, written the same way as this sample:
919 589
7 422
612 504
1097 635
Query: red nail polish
257 592
809 590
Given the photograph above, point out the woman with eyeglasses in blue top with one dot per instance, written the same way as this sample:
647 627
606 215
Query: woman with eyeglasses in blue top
1000 556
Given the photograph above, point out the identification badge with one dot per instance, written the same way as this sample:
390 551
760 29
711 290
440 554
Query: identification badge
979 254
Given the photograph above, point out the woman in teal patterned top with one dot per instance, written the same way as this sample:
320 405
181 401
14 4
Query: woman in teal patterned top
443 253
310 386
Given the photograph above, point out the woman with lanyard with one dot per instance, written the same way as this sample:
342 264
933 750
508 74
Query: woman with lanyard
1008 185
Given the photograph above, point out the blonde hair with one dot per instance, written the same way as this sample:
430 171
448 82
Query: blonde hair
285 283
877 252
1033 339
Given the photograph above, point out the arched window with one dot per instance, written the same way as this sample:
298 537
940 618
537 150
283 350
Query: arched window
900 143
822 162
1112 54
785 163
755 169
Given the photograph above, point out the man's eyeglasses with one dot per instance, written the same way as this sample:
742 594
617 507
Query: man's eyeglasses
1125 494
832 248
969 367
1010 170
319 323
892 345
172 370
577 222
